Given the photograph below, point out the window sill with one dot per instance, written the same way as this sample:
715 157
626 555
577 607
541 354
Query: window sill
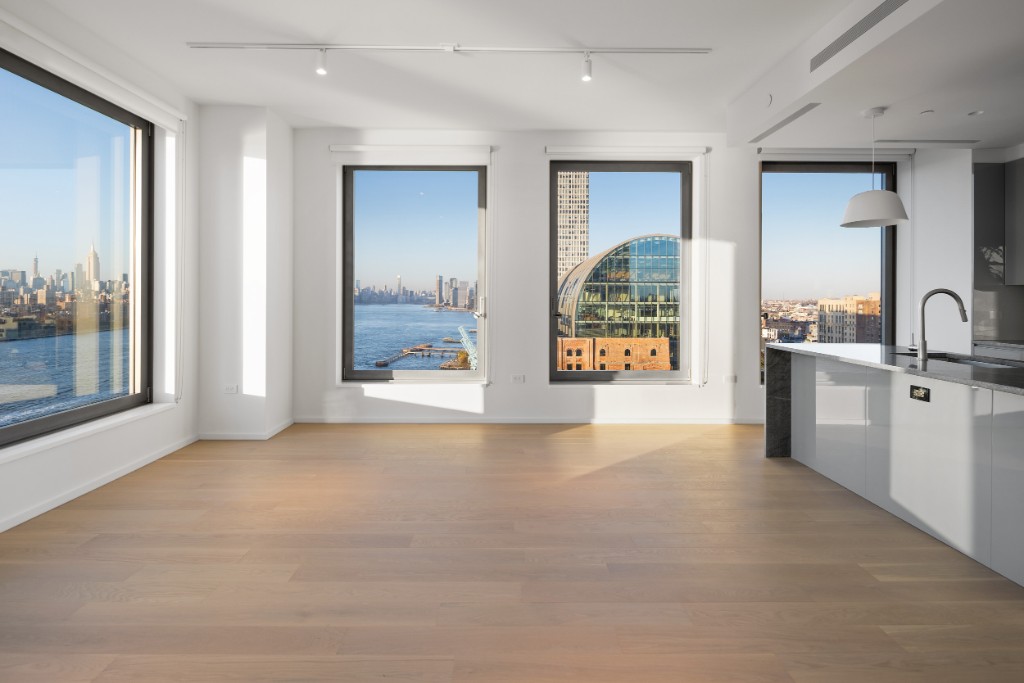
619 382
65 436
363 383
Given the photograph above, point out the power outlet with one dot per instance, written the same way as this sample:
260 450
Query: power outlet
518 379
230 388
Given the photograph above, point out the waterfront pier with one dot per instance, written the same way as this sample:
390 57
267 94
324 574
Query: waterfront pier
427 350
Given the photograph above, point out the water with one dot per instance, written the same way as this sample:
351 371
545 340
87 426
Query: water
47 366
382 330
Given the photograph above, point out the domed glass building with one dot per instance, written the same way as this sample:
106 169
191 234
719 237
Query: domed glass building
630 291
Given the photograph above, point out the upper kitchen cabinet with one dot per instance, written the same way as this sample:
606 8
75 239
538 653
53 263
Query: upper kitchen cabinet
1014 217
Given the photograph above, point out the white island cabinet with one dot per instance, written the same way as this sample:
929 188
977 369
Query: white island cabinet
929 462
1008 485
940 445
828 422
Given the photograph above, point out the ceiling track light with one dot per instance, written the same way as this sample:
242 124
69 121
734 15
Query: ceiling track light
452 47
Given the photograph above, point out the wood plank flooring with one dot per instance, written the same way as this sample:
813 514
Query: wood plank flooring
487 554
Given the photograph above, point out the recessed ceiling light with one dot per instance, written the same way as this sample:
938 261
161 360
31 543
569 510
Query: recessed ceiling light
976 112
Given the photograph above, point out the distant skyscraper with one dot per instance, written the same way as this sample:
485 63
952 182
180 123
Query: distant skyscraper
357 285
92 266
573 219
439 292
35 267
79 277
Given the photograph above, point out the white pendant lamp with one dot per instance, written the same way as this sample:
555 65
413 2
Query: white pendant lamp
874 208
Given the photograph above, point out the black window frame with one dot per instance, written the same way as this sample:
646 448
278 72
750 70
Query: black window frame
348 372
887 280
686 320
144 181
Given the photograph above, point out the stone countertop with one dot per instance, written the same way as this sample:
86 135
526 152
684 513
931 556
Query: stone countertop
1010 380
1001 343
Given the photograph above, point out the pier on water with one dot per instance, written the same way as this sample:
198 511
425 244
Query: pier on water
427 350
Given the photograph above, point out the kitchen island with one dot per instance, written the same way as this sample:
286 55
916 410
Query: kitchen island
939 444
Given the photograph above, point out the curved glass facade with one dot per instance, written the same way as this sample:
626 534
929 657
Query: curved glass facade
629 291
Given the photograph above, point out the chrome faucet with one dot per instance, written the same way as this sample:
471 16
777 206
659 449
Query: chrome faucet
922 348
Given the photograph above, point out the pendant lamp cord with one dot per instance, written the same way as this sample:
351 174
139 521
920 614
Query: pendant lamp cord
873 117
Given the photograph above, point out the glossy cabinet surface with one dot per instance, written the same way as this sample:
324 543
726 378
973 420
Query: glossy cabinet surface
1008 485
929 462
839 419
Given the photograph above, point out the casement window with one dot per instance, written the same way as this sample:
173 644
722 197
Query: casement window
821 282
620 269
75 264
413 257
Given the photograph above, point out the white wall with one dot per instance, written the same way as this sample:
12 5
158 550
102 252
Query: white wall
280 274
245 272
518 294
938 249
40 474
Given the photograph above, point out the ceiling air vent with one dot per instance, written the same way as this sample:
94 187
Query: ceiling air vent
786 121
926 141
856 31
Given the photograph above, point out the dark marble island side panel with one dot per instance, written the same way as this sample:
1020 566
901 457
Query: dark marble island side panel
778 403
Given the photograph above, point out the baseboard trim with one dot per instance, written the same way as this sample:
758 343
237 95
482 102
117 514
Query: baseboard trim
528 420
247 436
47 505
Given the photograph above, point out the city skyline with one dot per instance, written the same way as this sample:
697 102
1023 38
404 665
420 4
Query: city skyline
85 270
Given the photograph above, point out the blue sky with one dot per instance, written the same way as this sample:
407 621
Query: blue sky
417 224
625 205
46 205
420 224
805 254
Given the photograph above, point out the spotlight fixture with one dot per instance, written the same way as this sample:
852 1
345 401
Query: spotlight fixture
874 208
587 77
321 62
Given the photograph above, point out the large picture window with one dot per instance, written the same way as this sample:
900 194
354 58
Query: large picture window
75 235
620 244
821 282
413 255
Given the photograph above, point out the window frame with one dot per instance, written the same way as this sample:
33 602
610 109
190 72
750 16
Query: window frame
349 374
142 294
887 278
685 169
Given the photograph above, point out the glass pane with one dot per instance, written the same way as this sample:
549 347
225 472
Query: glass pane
618 256
67 271
415 256
820 282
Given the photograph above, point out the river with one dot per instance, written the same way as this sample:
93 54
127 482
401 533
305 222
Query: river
382 330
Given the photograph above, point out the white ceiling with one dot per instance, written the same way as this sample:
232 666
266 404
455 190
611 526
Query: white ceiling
962 56
461 91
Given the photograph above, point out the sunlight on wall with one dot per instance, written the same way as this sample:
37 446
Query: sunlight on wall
254 276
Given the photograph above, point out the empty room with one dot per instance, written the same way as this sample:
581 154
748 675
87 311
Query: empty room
467 342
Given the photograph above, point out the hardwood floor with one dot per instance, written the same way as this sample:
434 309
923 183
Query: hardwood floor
486 554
